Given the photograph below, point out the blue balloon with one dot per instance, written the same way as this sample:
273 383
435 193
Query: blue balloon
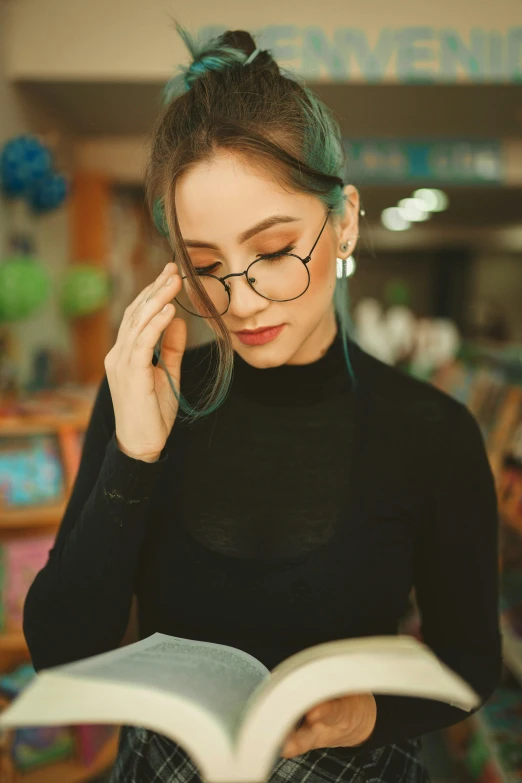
49 193
24 161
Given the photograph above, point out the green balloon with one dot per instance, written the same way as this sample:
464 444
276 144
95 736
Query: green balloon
85 290
25 285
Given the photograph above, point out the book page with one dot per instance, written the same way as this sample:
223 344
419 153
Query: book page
218 678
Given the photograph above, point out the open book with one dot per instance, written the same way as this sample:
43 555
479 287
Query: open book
227 710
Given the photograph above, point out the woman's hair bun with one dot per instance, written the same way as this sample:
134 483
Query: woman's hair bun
238 39
242 40
232 48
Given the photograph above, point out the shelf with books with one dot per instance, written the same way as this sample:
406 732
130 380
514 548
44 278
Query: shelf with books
41 441
72 771
492 391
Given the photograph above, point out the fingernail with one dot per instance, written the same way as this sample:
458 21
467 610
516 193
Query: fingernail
168 281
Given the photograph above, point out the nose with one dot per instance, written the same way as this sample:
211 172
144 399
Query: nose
244 301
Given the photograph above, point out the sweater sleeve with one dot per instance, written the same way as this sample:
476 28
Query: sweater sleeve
78 604
456 585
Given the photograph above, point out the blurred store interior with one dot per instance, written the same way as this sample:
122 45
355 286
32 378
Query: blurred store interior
435 283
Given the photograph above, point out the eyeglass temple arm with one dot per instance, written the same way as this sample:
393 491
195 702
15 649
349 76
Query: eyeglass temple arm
320 232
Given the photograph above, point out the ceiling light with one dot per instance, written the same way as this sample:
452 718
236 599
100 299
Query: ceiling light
394 220
413 209
434 200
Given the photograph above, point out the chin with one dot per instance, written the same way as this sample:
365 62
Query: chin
261 356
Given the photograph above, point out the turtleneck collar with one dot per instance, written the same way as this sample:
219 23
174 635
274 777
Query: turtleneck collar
295 384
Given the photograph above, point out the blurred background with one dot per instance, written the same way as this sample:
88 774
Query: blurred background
429 98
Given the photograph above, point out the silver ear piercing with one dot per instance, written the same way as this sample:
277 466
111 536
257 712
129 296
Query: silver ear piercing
345 245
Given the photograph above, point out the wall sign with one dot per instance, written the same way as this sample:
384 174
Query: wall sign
419 55
457 162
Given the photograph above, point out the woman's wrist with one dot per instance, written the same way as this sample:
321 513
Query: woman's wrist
142 457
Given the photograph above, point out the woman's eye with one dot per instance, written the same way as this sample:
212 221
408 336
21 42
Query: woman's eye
205 270
211 269
277 254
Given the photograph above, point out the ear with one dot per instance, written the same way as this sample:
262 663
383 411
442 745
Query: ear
348 224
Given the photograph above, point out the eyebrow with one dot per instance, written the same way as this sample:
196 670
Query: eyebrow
268 222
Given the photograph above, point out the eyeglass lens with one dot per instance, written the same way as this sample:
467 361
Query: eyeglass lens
279 279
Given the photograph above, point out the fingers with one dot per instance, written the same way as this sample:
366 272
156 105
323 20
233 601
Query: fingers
316 729
135 306
328 713
173 345
304 739
145 318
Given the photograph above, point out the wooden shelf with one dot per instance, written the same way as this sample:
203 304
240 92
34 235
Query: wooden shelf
12 641
46 412
40 425
71 771
39 516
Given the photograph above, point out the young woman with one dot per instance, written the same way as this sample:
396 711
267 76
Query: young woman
304 495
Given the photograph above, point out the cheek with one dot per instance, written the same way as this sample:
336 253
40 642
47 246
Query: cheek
323 272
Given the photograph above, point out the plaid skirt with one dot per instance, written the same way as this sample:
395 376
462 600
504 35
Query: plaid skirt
147 757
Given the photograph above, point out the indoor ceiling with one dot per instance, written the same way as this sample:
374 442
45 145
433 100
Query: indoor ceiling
385 111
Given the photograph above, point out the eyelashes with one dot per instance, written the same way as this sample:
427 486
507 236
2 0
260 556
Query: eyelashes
203 270
284 252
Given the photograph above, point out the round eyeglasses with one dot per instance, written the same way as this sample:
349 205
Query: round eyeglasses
280 277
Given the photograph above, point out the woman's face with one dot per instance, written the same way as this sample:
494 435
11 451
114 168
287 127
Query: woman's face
219 200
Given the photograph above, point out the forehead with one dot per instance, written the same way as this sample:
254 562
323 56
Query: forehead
226 194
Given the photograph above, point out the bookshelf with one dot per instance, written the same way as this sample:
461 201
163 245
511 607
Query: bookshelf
488 744
62 415
66 771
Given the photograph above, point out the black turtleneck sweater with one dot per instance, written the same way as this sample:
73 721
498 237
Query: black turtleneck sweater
305 509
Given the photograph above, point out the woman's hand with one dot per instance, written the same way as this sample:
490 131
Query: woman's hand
144 406
344 722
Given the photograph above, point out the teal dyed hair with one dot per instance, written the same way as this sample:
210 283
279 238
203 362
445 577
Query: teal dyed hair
228 100
206 56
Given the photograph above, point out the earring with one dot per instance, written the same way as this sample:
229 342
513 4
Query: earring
345 246
362 212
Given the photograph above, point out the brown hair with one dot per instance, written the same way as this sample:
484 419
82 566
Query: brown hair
253 110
